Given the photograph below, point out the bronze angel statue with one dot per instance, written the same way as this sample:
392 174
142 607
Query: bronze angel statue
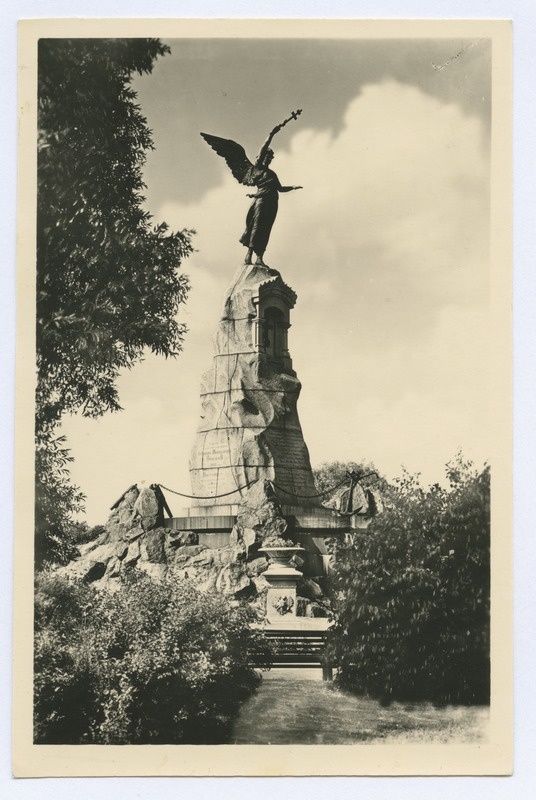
263 211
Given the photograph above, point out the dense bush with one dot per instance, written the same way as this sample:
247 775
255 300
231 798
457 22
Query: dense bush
153 662
412 595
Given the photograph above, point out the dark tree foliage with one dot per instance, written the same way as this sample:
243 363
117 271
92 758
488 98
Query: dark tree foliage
412 595
56 499
108 286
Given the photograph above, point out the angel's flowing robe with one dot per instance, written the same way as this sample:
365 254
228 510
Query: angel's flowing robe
262 212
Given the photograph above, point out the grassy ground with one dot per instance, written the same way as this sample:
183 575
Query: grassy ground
294 706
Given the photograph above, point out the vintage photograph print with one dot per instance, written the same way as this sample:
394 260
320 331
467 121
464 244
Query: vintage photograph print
264 388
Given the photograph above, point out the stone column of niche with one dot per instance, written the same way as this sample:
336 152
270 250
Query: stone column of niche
281 600
274 300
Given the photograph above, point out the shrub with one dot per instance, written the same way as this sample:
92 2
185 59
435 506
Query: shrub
153 662
79 533
273 540
412 595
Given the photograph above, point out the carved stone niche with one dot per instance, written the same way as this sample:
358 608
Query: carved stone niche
273 303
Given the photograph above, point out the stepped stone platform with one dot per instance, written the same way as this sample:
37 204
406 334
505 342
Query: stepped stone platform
300 519
297 643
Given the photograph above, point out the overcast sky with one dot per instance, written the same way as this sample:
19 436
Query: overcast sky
386 247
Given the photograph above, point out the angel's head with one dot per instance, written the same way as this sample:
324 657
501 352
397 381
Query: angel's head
268 158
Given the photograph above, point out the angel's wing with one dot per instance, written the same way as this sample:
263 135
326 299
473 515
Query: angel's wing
235 157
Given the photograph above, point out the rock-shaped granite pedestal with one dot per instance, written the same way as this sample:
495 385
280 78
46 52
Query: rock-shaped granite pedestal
249 422
251 477
250 470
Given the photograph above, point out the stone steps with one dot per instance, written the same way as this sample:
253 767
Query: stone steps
298 647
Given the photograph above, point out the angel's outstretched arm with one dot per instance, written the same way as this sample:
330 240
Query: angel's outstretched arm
266 145
286 188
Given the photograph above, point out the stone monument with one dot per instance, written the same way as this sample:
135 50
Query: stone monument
251 476
253 492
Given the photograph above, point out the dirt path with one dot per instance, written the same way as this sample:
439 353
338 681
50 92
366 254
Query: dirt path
294 706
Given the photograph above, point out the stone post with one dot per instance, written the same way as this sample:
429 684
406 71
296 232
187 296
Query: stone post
282 578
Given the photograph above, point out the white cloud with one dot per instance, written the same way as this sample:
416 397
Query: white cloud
386 247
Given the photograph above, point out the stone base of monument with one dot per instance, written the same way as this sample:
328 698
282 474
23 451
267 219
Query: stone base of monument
307 519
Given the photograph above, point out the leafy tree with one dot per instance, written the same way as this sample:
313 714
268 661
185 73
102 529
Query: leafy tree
412 594
330 474
107 280
332 482
56 499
